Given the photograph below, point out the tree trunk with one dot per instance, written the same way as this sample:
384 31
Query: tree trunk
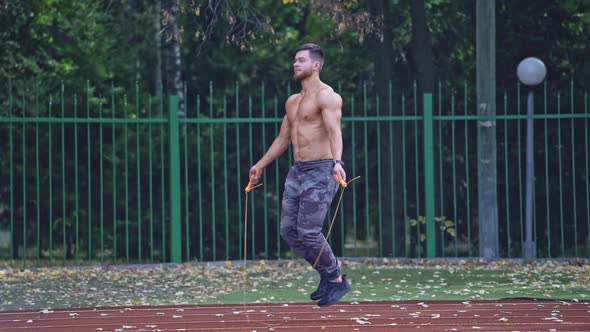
383 46
486 129
391 235
158 44
174 85
421 48
301 25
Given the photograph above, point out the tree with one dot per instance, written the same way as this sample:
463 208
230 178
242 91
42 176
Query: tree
173 61
421 59
158 47
486 147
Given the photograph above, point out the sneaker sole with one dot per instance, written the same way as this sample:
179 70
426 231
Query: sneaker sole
337 298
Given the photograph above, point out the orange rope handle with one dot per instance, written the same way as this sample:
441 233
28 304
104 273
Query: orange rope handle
344 183
249 187
341 181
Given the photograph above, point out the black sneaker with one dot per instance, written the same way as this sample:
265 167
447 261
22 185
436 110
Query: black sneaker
318 293
334 292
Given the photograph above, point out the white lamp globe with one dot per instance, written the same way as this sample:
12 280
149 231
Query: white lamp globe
531 71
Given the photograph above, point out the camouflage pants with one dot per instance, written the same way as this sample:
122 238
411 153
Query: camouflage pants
309 190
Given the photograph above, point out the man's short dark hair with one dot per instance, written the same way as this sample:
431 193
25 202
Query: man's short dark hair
315 52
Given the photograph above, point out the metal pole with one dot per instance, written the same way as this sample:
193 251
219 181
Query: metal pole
429 176
529 245
174 177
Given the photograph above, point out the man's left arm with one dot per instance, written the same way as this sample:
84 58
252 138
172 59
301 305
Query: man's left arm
331 106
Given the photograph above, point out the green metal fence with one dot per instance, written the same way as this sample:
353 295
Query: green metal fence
122 178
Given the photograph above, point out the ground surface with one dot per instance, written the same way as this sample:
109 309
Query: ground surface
289 282
387 295
502 315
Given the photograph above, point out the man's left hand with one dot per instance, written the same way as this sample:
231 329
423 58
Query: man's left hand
339 171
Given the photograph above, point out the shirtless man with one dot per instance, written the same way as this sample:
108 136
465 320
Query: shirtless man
312 125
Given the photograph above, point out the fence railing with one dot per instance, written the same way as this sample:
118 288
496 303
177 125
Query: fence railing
94 179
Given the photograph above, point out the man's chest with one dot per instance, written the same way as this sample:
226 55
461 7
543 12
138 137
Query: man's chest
305 109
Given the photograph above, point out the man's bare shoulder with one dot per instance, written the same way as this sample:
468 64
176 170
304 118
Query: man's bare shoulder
292 99
328 98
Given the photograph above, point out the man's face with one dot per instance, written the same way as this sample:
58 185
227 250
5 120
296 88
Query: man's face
302 65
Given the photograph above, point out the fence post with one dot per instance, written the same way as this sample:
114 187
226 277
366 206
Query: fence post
429 175
174 177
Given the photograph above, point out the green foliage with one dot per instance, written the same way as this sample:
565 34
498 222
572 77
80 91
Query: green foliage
104 51
445 225
103 42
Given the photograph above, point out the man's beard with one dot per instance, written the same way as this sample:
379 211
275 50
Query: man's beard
303 74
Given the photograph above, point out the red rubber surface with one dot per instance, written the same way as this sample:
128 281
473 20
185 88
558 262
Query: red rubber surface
503 315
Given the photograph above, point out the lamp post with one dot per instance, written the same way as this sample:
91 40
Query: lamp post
531 71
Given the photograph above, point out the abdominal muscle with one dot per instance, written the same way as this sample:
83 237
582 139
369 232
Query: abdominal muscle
310 141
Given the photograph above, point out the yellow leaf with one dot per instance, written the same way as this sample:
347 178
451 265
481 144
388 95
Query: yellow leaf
227 263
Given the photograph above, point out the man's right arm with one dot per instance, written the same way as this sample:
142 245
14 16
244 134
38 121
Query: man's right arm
279 145
277 148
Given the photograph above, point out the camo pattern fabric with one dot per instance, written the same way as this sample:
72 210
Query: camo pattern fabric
309 189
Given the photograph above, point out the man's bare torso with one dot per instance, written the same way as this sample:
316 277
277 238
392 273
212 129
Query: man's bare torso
312 123
309 136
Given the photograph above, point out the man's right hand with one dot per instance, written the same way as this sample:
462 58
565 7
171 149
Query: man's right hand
255 172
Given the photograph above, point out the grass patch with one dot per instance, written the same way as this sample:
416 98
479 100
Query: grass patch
290 281
446 281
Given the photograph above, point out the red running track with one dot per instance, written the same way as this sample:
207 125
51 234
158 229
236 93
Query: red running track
501 315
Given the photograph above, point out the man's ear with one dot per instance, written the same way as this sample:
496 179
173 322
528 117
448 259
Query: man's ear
317 65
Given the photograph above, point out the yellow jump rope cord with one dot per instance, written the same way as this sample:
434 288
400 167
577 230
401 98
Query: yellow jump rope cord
343 184
247 190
